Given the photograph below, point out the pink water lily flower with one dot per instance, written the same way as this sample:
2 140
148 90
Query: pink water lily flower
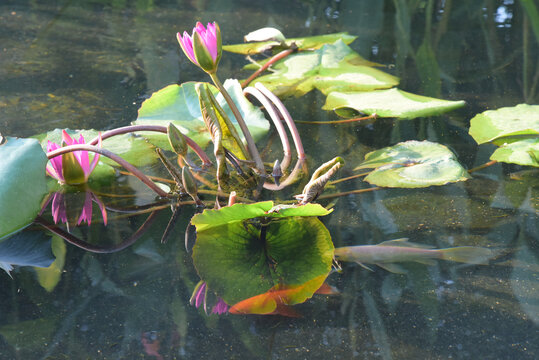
203 47
72 168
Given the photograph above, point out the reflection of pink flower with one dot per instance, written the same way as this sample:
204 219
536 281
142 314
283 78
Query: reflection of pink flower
207 56
199 298
59 206
71 168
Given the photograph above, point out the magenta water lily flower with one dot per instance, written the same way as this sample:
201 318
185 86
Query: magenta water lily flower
199 298
203 47
71 168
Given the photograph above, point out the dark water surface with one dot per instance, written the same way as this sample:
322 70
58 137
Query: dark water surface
90 64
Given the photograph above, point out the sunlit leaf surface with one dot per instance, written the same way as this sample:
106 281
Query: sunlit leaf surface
179 105
522 152
389 103
303 43
506 124
22 183
413 164
239 260
333 67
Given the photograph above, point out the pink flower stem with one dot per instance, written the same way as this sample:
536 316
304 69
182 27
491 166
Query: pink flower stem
276 121
251 146
111 155
299 169
156 128
287 118
270 62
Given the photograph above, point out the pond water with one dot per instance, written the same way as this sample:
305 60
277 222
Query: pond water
91 63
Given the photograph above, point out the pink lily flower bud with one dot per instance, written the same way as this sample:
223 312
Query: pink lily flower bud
203 47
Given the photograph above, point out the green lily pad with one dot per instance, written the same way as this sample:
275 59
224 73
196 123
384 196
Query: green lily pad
334 67
239 260
303 43
389 103
413 164
505 124
178 104
22 183
523 152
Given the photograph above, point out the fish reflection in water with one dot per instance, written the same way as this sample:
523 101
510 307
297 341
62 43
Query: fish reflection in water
388 253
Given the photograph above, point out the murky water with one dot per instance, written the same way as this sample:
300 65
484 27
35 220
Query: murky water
89 64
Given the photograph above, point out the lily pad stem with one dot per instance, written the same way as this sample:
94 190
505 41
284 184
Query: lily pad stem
155 128
110 155
270 62
481 167
253 151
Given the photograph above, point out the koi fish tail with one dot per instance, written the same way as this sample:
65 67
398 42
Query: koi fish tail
467 254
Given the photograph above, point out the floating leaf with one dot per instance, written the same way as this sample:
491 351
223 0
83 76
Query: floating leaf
522 152
240 254
334 67
265 34
179 105
22 183
413 164
389 103
303 43
506 124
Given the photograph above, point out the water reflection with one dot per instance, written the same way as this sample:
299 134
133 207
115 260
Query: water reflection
87 66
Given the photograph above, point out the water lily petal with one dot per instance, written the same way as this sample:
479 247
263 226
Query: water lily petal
86 214
56 169
59 208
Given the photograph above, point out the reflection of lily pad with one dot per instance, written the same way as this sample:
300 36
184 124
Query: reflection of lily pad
506 124
22 183
243 252
389 103
413 164
303 43
27 248
179 104
522 152
334 67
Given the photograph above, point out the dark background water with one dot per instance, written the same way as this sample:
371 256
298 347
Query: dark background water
90 64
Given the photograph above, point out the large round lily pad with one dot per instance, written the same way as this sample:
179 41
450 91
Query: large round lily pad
246 249
413 164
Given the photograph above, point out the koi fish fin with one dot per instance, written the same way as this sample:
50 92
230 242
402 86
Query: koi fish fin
404 243
364 266
426 261
467 254
391 267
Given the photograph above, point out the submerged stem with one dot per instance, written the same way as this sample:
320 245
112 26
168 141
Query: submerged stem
372 116
481 167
